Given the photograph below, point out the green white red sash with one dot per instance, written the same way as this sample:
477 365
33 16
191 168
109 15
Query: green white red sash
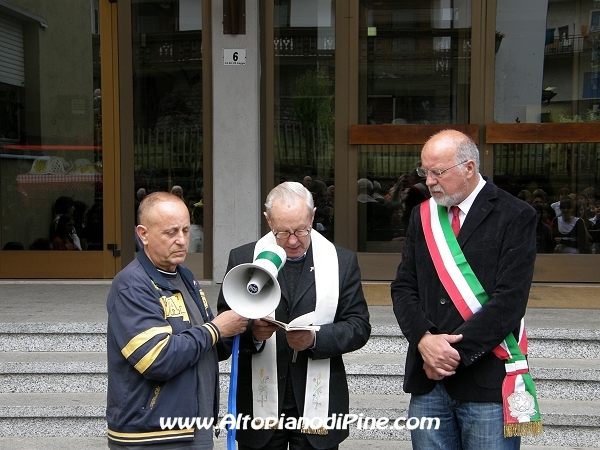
521 410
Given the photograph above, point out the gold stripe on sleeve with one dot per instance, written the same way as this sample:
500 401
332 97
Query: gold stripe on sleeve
151 356
139 340
213 332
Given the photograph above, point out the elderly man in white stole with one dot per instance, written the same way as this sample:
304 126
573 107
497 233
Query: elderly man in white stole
298 377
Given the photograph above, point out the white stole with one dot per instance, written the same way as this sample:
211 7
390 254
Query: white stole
264 364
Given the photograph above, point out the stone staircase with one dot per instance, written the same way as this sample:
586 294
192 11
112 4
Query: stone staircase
568 387
53 374
53 383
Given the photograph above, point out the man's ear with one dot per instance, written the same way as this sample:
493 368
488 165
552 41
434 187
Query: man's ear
142 233
470 166
268 220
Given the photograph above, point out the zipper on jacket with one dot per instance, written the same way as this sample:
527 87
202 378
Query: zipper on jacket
154 395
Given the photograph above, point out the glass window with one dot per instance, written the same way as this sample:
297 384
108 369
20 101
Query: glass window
547 61
304 44
50 126
415 59
547 71
167 90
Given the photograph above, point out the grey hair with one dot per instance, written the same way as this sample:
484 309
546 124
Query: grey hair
365 183
467 149
289 192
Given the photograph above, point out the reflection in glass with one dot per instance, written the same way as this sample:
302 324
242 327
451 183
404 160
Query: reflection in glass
415 62
50 124
548 72
167 85
304 45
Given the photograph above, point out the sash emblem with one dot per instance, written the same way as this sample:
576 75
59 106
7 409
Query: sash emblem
521 405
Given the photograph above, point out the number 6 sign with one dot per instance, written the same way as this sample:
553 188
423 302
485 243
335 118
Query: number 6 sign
234 56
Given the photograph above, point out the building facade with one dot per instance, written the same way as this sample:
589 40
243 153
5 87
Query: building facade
101 100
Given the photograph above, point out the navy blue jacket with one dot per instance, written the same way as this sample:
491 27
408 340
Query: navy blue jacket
152 349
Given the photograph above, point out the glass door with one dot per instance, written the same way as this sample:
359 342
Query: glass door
304 48
415 60
56 194
167 86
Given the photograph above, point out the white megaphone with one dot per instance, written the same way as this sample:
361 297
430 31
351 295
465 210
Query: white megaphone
252 289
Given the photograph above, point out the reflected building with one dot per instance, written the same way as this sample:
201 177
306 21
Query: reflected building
99 99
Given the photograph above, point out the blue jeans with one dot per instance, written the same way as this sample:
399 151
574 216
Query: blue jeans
463 425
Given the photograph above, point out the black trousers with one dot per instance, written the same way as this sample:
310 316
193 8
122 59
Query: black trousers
282 438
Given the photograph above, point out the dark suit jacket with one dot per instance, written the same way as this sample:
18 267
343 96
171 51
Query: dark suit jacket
498 240
349 332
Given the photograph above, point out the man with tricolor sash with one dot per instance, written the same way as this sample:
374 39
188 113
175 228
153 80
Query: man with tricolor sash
459 296
298 376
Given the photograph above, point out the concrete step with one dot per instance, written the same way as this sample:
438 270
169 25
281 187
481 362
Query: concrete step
577 379
53 414
53 337
91 337
53 372
543 342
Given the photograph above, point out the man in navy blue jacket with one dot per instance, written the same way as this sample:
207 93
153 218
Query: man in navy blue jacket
163 342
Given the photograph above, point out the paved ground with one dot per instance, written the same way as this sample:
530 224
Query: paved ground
84 301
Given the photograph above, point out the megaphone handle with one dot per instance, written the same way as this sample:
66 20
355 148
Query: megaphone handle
295 356
232 400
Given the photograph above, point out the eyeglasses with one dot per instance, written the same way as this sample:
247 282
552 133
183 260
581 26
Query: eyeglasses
286 234
422 172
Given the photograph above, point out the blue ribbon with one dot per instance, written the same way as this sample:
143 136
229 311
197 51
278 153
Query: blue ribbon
232 400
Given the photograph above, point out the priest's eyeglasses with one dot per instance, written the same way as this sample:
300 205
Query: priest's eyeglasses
436 173
282 235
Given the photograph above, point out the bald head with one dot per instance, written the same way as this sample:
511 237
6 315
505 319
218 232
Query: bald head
451 161
148 206
164 228
455 143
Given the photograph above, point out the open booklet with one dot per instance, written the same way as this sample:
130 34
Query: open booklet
298 324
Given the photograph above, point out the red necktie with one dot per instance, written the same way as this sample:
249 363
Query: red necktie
455 220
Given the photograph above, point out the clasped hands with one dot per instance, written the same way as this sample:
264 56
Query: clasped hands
297 340
440 359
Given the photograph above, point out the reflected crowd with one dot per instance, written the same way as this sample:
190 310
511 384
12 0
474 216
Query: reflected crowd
567 223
